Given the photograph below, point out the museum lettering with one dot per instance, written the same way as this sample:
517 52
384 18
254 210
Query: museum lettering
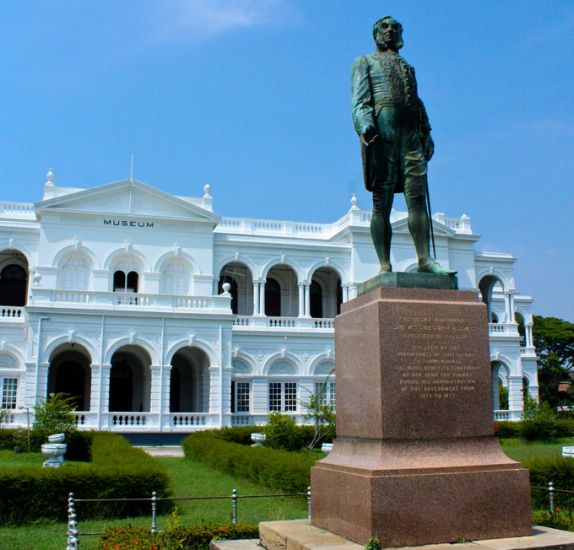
129 223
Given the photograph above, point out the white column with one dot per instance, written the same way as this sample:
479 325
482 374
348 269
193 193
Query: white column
155 392
215 391
301 287
307 288
509 307
95 389
104 397
262 297
528 334
515 400
256 310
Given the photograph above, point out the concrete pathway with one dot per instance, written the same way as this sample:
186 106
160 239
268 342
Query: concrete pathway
169 451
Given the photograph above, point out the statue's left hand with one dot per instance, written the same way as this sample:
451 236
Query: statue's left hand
428 148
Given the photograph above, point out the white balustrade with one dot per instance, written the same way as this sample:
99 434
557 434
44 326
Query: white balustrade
41 296
246 321
13 313
190 420
282 322
130 419
20 209
501 415
242 321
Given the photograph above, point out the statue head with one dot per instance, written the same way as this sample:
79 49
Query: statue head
388 34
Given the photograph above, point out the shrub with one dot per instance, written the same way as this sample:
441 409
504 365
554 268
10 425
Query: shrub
505 428
281 433
54 415
118 471
273 468
180 538
538 420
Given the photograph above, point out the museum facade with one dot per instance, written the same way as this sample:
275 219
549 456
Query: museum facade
158 315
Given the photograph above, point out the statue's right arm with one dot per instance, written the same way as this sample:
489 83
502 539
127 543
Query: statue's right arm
362 99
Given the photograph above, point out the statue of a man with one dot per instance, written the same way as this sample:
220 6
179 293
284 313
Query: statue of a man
396 143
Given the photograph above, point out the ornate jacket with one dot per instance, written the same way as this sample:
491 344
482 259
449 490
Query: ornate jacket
378 80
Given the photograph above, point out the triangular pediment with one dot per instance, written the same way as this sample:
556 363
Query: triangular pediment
127 198
439 228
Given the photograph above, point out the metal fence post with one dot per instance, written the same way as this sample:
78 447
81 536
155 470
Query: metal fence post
551 496
73 533
234 506
154 513
309 503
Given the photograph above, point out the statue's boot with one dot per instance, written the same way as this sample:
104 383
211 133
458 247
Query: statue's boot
386 267
428 265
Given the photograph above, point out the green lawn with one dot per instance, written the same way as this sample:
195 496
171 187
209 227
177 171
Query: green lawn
189 478
520 450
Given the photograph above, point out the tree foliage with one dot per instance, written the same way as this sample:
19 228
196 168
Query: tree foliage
55 415
554 342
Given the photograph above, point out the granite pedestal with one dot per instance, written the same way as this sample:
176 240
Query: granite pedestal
415 460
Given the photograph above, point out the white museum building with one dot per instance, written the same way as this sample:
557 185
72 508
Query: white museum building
159 315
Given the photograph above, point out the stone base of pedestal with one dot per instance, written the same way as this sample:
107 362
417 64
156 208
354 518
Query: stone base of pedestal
415 460
413 505
300 535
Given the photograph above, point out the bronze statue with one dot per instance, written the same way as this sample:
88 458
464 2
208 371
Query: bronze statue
396 144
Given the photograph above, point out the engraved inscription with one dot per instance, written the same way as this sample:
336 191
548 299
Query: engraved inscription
436 364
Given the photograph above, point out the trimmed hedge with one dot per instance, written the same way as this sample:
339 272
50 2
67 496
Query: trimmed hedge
79 443
562 427
273 468
180 538
118 470
557 469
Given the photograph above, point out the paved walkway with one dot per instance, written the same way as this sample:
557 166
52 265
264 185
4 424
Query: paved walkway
170 451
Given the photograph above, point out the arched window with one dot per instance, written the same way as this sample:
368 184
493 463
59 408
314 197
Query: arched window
74 273
175 278
126 282
13 285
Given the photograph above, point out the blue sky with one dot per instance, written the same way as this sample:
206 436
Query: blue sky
253 97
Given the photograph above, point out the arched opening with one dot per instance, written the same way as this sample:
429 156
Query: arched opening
521 325
13 278
272 298
240 278
70 373
486 286
316 300
281 292
189 381
500 379
130 380
326 293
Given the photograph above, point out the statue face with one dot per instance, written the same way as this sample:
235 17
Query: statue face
388 34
